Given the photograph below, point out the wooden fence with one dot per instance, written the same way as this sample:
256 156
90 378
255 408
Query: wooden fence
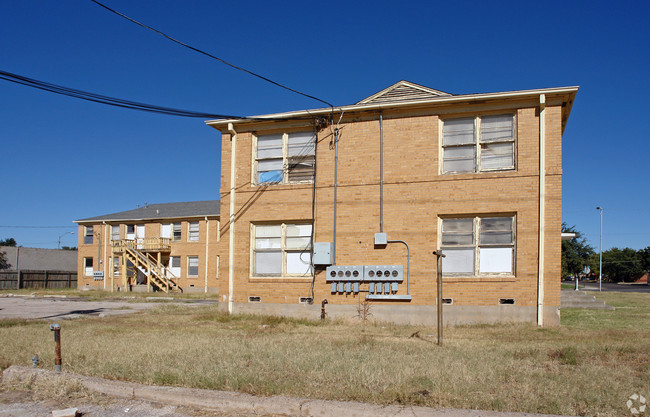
9 280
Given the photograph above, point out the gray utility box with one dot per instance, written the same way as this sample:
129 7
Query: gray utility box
393 273
366 273
344 273
323 253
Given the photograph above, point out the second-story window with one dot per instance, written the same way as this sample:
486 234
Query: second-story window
478 144
176 231
193 229
88 235
115 232
284 158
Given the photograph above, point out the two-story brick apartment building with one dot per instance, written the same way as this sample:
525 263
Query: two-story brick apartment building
170 246
375 187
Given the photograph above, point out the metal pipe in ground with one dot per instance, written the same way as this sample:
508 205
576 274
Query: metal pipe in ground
56 328
323 314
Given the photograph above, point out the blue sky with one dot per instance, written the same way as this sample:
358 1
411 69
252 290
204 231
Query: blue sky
66 159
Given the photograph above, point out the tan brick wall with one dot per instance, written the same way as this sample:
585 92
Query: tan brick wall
415 195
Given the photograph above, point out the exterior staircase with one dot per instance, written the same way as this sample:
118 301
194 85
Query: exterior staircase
581 299
157 274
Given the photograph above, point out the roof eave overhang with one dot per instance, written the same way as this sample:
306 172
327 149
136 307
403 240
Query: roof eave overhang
141 219
568 92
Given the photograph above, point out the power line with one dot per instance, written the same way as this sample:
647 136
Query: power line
111 101
210 55
39 227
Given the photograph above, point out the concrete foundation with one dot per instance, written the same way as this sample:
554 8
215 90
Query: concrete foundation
453 315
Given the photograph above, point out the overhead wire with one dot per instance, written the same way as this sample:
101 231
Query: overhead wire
111 101
210 55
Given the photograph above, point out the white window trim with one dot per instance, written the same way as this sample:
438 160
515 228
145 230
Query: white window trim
91 235
189 231
119 232
86 274
285 158
477 144
180 228
283 250
197 266
477 247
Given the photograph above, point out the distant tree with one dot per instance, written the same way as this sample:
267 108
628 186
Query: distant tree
8 242
644 258
621 265
69 247
3 261
576 253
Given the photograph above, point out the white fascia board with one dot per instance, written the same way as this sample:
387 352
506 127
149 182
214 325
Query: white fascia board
413 103
195 216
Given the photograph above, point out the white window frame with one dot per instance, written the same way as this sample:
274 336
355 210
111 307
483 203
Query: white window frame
177 227
175 270
478 144
193 231
190 261
477 245
88 270
115 236
284 250
130 235
166 231
88 235
287 159
116 266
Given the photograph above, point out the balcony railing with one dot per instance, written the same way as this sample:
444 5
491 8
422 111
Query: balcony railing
153 244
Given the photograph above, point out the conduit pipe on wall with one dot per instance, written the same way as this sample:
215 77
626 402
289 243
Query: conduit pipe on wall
408 261
231 227
381 173
336 160
542 208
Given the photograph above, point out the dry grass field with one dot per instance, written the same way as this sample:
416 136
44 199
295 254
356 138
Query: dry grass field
589 366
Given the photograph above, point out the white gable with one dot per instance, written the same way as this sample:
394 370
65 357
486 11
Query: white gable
403 91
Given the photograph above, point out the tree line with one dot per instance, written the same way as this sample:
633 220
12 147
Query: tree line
619 264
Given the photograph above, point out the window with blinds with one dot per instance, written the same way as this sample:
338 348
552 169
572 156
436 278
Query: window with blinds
478 246
281 250
478 144
285 158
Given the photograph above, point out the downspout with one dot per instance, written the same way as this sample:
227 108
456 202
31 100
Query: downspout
336 160
231 227
542 208
207 243
105 260
381 173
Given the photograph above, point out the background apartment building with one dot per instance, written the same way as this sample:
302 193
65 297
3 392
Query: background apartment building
167 247
375 187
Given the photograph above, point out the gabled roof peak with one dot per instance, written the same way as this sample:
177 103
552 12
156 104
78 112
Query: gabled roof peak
403 91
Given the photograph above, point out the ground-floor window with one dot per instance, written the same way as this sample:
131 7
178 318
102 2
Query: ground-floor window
478 246
192 266
175 266
281 249
88 267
